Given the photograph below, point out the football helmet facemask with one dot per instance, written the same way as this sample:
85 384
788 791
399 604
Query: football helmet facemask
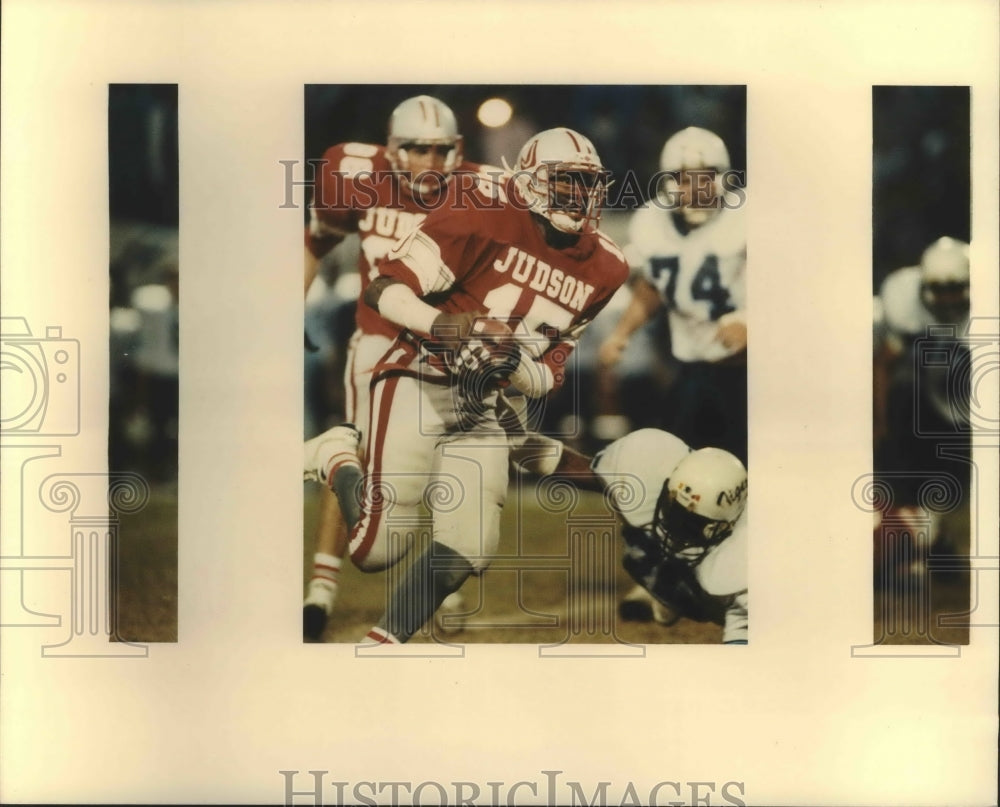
419 123
693 161
700 503
560 177
944 280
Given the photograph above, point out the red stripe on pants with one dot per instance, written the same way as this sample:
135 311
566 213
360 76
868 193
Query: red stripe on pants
371 521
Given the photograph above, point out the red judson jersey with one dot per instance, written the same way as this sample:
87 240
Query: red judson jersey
482 251
356 191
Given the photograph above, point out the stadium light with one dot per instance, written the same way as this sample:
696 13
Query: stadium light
495 112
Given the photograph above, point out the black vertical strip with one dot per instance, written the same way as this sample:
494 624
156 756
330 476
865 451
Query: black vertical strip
144 352
921 192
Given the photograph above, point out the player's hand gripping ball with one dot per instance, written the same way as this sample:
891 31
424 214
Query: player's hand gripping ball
478 347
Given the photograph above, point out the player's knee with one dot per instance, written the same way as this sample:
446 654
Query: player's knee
370 563
377 548
476 538
477 560
536 453
451 568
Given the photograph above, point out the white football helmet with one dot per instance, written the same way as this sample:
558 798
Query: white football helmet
702 153
944 280
700 503
560 177
422 121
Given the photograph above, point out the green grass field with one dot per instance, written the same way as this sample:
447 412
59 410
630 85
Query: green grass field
557 578
929 605
147 563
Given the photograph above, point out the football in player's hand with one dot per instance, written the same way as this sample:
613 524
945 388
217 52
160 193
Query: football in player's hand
491 330
478 346
455 330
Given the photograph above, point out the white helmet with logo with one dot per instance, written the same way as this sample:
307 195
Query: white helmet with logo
561 178
423 121
700 502
944 280
694 149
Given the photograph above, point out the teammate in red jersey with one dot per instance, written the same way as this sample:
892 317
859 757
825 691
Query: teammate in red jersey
491 292
380 193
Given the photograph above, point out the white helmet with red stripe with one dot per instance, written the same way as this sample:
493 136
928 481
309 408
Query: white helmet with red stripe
561 178
423 121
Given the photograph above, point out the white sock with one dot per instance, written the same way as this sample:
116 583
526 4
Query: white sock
325 580
379 635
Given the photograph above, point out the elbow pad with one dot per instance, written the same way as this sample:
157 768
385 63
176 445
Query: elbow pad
400 305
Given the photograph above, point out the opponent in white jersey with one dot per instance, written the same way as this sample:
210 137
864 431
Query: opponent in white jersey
689 248
899 312
699 273
934 293
921 357
684 522
911 302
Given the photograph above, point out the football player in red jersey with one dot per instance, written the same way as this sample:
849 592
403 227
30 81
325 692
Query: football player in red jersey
380 193
490 292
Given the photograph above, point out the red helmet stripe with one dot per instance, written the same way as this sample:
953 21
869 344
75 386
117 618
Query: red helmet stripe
576 145
529 158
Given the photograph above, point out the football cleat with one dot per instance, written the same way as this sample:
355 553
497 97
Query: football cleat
314 620
328 451
316 609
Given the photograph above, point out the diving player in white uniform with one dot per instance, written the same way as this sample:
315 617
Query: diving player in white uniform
685 522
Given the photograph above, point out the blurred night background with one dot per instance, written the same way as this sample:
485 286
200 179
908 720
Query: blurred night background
921 182
921 368
144 351
143 190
